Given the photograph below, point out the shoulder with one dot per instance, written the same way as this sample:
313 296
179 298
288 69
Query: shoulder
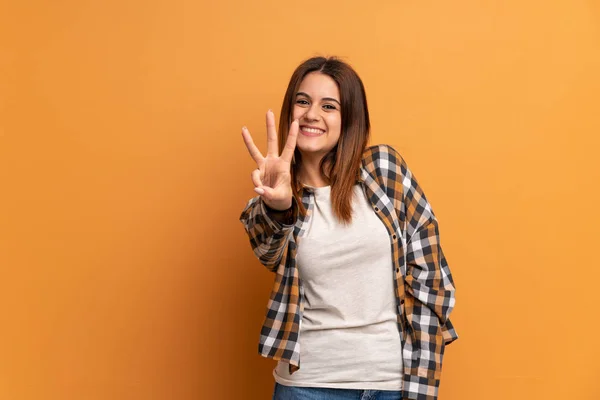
383 157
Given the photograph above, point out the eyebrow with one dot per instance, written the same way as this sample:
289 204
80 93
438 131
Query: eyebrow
324 98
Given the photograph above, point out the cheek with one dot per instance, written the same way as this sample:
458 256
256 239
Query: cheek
296 113
334 123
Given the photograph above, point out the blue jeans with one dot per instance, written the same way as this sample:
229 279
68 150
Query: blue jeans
282 392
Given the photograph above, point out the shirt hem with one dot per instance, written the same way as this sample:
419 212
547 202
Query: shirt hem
394 386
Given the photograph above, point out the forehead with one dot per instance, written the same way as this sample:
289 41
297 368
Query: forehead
318 85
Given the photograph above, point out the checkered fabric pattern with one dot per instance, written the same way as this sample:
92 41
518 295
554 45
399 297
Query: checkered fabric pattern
425 290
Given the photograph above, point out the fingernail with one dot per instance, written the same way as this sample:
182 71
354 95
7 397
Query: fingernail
259 191
270 110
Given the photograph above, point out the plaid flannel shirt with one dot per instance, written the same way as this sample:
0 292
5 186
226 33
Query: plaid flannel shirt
423 283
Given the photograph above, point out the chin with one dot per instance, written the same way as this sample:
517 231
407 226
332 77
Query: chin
311 151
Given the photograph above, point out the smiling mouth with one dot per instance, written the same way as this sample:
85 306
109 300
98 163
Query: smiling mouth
310 131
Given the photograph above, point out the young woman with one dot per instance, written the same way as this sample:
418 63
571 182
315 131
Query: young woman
362 293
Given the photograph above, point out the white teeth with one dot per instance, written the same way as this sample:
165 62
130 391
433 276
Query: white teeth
312 130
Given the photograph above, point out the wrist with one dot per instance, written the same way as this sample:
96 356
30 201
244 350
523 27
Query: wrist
274 209
283 216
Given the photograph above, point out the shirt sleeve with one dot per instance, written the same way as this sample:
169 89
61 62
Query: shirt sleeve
268 237
429 285
428 276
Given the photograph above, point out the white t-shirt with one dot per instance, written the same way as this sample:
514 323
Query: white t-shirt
349 336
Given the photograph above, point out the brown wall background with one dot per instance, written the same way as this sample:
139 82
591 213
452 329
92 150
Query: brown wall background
125 273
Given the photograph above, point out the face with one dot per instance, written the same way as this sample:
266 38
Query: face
317 108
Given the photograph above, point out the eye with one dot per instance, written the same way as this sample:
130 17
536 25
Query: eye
329 107
302 102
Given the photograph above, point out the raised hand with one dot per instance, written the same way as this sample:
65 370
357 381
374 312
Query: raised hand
272 179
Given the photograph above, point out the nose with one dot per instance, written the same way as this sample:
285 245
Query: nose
312 114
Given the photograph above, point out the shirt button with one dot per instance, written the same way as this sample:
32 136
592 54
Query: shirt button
394 236
402 301
376 209
397 269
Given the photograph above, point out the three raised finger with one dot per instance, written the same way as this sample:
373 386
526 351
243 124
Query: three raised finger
272 148
252 149
290 144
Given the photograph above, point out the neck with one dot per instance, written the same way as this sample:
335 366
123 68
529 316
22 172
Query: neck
310 172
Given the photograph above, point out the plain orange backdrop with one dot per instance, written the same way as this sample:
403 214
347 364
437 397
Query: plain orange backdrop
124 271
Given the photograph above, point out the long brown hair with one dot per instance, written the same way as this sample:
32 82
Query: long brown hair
341 165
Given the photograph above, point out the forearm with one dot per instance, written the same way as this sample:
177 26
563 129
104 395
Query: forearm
284 217
268 236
